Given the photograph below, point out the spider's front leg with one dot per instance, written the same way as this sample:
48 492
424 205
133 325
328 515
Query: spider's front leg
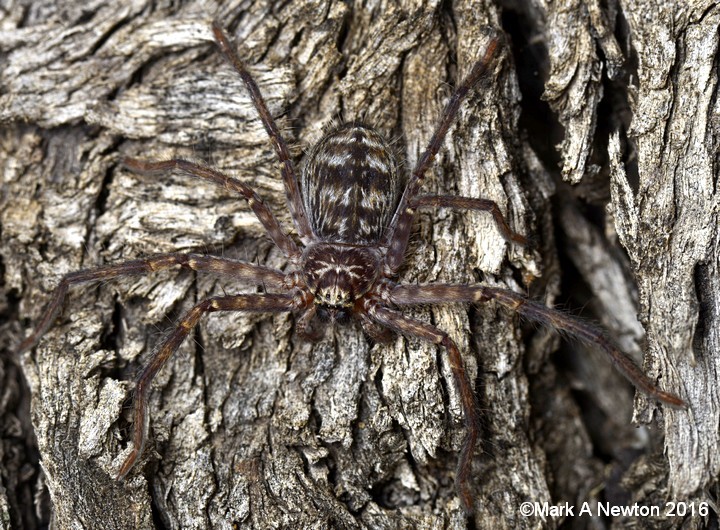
256 303
537 312
410 327
242 271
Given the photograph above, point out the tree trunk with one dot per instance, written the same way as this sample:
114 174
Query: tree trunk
596 133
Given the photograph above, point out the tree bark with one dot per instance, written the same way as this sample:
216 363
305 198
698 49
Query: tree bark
596 133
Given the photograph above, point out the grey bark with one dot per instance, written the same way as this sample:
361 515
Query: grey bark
253 427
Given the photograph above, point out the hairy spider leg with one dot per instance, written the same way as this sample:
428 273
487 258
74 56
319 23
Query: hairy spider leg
469 203
574 327
243 271
289 175
375 331
398 233
429 333
261 210
256 303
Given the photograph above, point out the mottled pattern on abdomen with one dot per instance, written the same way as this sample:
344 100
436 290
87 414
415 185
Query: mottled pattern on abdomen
350 185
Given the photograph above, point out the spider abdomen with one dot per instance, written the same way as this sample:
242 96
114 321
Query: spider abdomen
350 185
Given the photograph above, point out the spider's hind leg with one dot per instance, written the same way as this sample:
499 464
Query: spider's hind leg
292 188
397 235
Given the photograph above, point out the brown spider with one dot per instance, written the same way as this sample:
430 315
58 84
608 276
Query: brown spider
353 218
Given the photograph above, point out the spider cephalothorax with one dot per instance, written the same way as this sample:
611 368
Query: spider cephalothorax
338 275
353 218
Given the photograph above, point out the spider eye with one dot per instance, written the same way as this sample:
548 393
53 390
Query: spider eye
334 295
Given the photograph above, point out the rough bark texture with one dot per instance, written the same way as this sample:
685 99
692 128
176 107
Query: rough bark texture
253 427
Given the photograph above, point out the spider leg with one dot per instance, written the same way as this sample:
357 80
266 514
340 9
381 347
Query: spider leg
375 331
536 312
397 235
261 303
292 189
468 203
261 210
243 271
401 324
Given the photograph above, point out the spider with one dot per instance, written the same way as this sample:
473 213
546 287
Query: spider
353 217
